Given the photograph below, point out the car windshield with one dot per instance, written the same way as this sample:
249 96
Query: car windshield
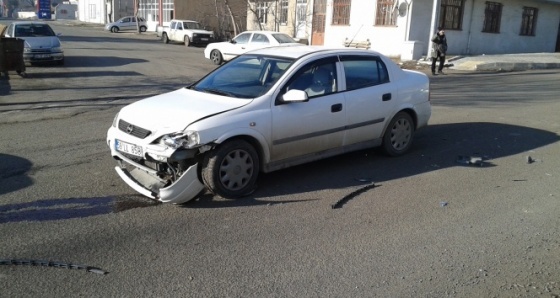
33 30
283 38
247 76
191 25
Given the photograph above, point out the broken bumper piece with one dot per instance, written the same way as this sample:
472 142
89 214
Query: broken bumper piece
186 188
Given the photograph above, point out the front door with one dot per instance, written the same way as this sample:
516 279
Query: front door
319 19
303 128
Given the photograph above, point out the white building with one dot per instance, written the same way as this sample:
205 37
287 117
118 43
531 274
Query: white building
404 27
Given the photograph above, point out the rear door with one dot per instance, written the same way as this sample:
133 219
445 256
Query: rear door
370 96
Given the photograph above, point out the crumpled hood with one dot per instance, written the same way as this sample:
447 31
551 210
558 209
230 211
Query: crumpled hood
45 42
174 111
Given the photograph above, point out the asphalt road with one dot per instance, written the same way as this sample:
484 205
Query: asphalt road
424 224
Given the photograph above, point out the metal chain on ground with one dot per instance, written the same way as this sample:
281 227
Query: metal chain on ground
52 264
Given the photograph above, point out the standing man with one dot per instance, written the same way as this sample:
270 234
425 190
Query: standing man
439 45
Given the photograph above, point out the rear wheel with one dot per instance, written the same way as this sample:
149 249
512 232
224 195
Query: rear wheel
143 28
398 136
114 29
216 57
187 41
164 38
231 169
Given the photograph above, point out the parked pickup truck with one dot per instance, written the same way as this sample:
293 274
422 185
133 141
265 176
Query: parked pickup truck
185 31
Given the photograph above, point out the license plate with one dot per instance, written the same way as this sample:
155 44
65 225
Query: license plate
205 39
44 56
128 148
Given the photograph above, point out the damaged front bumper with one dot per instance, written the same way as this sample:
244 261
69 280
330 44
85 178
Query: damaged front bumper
146 181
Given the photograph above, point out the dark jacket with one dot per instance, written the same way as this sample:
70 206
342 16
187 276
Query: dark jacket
439 44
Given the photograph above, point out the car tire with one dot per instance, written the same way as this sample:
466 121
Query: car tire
231 169
216 57
115 29
143 28
398 135
164 38
187 41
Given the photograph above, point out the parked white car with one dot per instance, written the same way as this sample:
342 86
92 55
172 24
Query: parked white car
41 43
266 110
219 52
127 24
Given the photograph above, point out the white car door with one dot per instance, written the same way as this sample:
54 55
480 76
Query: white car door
126 24
300 128
258 41
370 96
176 31
238 45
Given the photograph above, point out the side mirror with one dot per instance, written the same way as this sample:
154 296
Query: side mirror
295 96
233 41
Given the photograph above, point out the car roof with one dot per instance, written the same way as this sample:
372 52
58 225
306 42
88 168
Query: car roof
298 51
263 31
28 23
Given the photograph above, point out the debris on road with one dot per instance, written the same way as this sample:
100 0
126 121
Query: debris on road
52 264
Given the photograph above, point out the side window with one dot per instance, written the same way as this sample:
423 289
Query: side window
173 25
260 39
179 26
126 20
363 72
316 79
243 38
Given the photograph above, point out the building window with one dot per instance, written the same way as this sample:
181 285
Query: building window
451 14
492 17
341 12
528 21
386 14
283 12
262 12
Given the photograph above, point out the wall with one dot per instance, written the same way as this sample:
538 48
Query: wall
467 41
385 39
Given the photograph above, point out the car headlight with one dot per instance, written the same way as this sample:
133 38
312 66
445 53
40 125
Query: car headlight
188 139
26 49
195 35
115 120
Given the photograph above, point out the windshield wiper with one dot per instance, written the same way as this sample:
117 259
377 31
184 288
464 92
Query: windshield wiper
219 92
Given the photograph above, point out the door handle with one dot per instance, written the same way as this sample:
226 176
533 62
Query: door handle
336 108
386 97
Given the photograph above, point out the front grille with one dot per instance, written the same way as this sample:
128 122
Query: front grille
134 130
40 51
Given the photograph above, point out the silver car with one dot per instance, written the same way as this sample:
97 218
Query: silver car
127 23
41 43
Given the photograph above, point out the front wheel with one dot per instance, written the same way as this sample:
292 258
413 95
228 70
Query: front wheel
231 170
398 136
115 29
143 28
164 38
216 57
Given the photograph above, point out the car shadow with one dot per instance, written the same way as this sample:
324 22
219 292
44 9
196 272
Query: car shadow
14 173
69 208
435 147
124 37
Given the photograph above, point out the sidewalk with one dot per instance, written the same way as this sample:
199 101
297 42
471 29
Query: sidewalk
505 62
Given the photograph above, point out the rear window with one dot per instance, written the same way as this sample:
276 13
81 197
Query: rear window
283 38
364 71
